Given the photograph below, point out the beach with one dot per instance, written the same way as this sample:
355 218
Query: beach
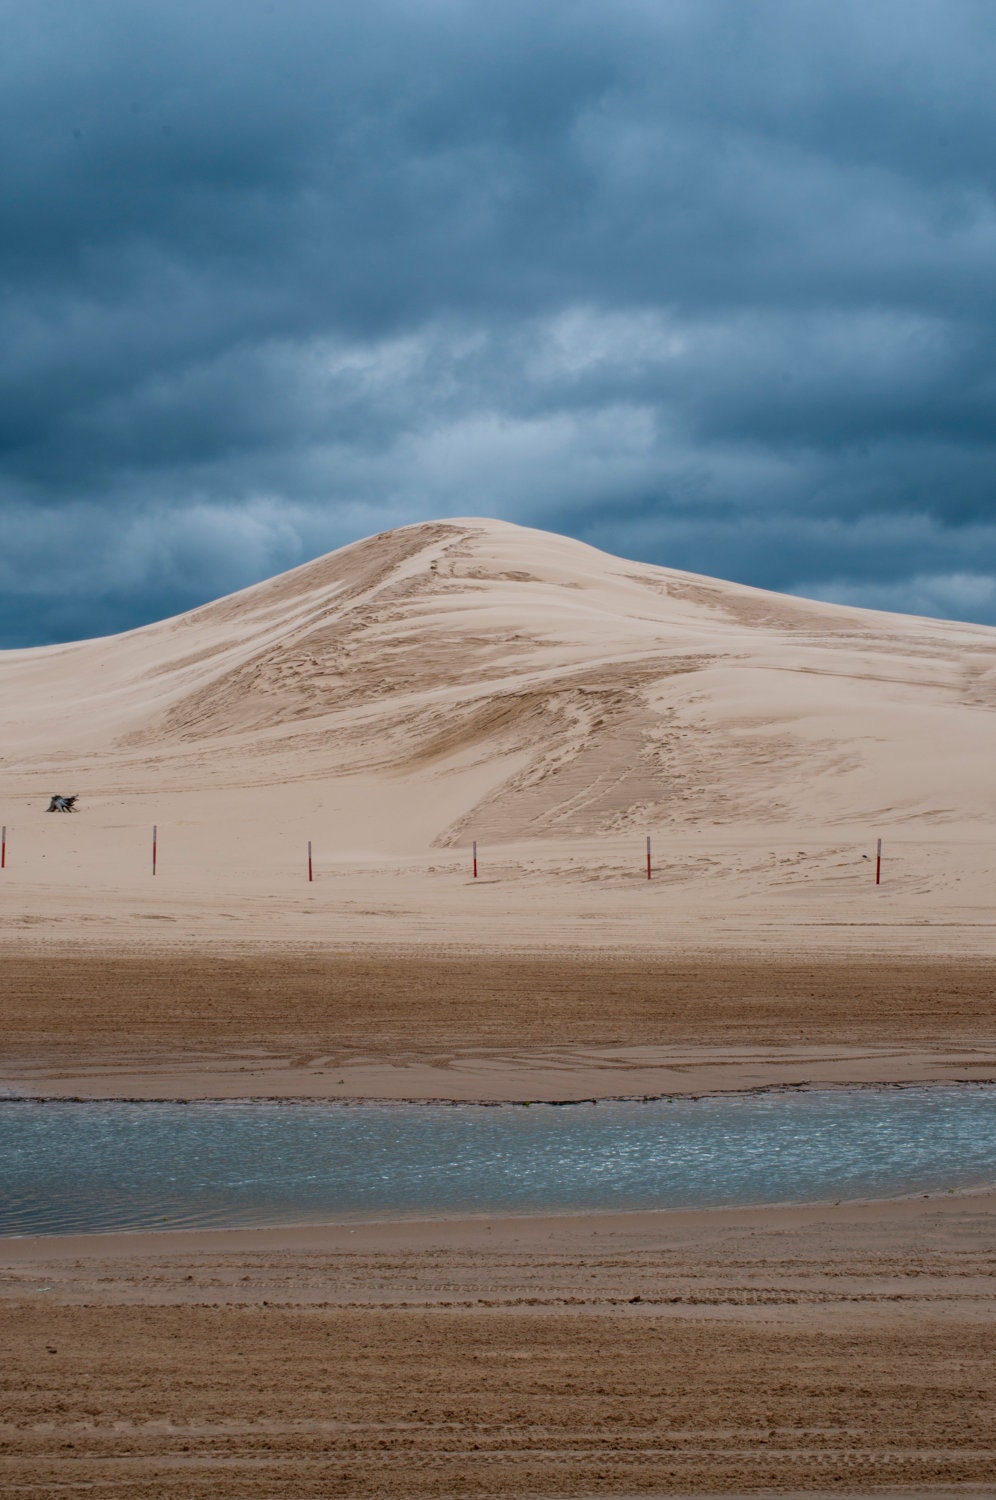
828 1348
845 1346
381 712
185 1023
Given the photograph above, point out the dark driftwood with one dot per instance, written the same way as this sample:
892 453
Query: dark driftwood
62 804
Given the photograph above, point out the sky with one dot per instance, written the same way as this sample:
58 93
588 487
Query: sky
706 283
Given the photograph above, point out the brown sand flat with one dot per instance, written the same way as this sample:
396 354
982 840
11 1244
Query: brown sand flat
347 1023
198 1402
835 1349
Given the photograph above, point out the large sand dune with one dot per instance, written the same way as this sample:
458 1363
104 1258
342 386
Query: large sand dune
393 702
472 679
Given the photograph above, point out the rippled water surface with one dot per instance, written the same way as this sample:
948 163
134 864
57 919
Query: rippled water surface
70 1166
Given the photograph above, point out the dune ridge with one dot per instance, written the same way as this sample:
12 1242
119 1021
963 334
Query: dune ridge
472 679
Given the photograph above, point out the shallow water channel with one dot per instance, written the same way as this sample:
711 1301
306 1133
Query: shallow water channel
69 1166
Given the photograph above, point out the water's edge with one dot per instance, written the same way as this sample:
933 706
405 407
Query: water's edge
79 1166
313 1101
950 1197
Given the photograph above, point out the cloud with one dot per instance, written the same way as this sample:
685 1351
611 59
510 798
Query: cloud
945 595
703 283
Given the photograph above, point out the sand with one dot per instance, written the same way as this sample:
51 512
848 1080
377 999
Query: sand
846 1347
342 1024
392 703
474 680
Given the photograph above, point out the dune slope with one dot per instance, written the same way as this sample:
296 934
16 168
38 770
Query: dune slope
472 679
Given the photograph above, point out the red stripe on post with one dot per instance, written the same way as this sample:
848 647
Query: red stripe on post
3 849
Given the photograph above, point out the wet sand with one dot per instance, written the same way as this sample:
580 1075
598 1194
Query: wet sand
823 1349
816 1349
339 1023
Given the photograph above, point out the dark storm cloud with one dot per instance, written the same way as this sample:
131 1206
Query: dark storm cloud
705 283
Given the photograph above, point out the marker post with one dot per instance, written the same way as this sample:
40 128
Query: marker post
878 864
311 873
475 859
155 846
3 848
649 865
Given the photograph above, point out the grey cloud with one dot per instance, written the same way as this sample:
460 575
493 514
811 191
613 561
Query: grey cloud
706 283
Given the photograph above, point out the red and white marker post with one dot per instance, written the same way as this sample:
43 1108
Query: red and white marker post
3 848
155 847
475 859
311 872
649 865
878 864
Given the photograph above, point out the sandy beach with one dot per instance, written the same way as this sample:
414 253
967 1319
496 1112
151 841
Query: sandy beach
192 1024
834 1349
818 1350
392 704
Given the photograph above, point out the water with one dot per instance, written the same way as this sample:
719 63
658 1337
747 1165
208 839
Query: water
71 1167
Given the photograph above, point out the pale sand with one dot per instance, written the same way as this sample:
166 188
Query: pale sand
393 702
475 680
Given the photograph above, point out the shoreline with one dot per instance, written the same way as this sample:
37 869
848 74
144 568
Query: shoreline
487 1078
353 1101
486 1231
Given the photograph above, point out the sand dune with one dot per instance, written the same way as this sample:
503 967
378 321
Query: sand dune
391 703
472 679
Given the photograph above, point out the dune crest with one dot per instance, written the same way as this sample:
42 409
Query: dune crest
475 680
598 694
